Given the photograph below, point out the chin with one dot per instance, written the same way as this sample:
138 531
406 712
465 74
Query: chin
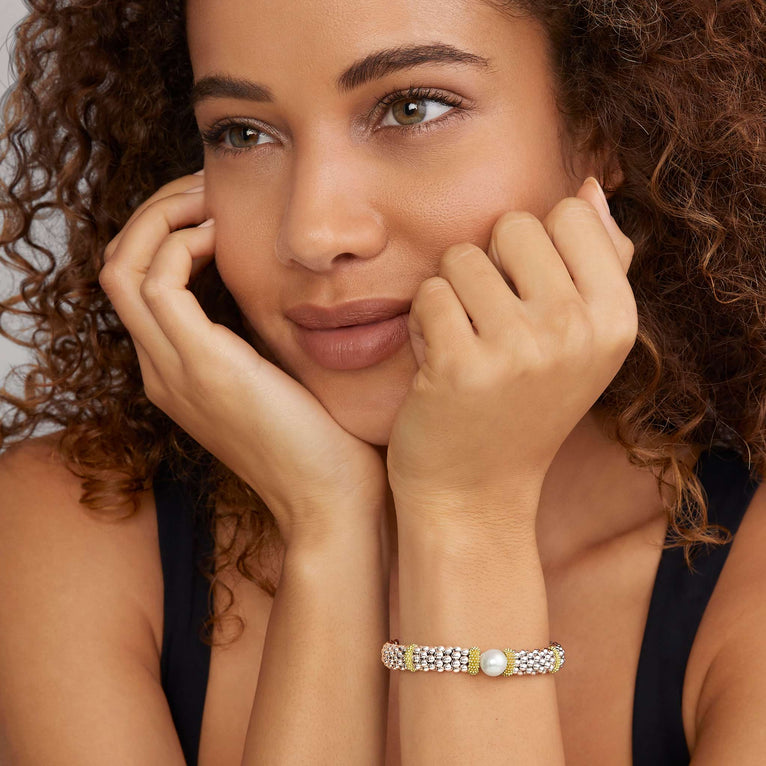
367 408
371 427
363 402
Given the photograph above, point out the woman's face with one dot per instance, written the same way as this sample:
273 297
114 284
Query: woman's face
323 196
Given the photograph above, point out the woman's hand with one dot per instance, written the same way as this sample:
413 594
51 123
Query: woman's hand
315 477
508 369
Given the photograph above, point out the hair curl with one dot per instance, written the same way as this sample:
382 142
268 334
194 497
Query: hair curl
671 90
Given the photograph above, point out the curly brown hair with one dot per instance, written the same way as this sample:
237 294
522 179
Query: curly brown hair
672 90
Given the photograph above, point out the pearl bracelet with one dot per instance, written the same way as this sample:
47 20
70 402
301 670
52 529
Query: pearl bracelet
492 662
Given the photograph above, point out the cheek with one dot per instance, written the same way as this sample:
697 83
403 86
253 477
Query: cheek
243 245
462 199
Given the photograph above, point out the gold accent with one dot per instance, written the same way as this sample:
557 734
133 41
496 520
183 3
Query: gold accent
408 657
473 660
557 664
511 656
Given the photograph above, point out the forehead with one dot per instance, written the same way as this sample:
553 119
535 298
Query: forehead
304 38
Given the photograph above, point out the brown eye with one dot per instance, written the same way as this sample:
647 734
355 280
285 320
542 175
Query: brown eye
243 136
410 111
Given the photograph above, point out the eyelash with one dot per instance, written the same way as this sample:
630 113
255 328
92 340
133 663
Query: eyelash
212 137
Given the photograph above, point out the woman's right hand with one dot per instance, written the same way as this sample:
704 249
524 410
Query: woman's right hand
314 476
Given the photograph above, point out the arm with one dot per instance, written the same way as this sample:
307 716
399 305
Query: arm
728 720
79 659
278 438
322 691
487 592
514 347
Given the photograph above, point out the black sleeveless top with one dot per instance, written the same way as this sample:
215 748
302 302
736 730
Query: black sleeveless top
677 603
185 541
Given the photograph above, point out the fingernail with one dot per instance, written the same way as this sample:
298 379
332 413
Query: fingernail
194 189
205 224
602 200
199 172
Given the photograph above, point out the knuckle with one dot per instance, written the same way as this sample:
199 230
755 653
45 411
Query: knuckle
153 392
513 218
574 207
568 312
455 254
151 290
109 278
570 321
178 238
508 223
625 329
429 286
567 211
158 395
154 206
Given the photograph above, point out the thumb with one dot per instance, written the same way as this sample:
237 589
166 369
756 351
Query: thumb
417 340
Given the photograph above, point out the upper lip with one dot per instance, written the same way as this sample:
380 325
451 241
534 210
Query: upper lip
364 311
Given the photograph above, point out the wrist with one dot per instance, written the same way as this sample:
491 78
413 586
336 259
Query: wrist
468 555
471 519
342 566
335 536
331 524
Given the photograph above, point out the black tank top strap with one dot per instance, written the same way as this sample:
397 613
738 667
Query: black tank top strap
184 541
678 601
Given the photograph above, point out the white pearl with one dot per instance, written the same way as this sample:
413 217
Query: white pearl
493 662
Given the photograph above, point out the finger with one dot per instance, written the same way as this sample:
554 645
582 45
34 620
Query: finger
164 290
521 247
482 290
577 231
122 276
437 321
592 191
143 237
149 340
174 187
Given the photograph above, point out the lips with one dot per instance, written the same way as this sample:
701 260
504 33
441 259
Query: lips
365 311
353 335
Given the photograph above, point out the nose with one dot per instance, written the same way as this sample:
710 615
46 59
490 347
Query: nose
329 216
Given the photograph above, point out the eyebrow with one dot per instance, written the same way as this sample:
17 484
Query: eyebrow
370 67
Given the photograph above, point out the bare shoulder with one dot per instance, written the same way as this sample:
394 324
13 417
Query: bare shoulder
79 632
731 704
42 512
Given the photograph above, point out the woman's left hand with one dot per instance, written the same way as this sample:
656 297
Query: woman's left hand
507 369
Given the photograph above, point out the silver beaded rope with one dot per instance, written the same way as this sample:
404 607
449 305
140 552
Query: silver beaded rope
457 659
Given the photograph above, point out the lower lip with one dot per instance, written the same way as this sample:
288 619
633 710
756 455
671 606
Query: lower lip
355 347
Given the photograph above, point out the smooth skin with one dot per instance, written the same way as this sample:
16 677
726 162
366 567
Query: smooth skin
395 525
579 319
470 364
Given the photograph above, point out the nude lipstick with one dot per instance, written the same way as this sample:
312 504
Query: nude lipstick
352 335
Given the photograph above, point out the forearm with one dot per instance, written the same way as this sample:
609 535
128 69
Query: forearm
486 591
322 695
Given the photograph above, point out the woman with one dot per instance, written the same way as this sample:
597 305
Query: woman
396 354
